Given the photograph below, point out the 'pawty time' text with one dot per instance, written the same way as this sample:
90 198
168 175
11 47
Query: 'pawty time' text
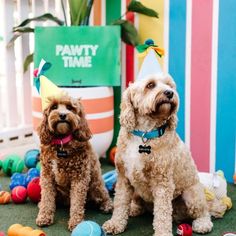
76 55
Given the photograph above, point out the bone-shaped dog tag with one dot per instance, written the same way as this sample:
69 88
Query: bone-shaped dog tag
144 149
62 153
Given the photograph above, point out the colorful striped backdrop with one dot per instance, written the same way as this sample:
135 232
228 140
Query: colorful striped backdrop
199 38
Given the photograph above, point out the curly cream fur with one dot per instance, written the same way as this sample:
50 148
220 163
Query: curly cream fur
168 173
72 179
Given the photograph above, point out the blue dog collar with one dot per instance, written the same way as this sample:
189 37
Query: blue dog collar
156 133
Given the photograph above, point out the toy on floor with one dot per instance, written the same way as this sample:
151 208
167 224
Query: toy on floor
234 178
110 179
34 190
5 197
19 179
38 166
12 164
31 158
184 230
88 228
19 194
112 155
31 174
20 230
2 234
216 193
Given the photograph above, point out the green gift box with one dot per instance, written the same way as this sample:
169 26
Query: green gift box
80 56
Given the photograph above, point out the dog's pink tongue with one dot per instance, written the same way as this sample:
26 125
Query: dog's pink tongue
63 128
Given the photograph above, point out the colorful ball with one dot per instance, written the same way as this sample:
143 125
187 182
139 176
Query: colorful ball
112 155
38 166
12 164
2 234
18 179
31 158
31 174
184 230
88 228
14 229
34 190
5 197
234 178
19 194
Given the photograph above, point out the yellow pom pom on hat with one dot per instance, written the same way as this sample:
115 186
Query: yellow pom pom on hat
45 87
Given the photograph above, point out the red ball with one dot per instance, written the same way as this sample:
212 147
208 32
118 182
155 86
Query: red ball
184 230
34 190
19 194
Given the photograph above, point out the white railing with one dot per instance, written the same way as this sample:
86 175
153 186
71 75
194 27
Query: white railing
15 85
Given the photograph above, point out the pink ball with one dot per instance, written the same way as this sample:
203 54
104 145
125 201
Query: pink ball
19 194
184 230
2 234
34 190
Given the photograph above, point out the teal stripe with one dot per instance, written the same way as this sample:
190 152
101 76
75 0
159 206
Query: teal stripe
177 43
226 89
113 12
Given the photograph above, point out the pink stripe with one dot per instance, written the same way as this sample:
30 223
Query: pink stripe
201 82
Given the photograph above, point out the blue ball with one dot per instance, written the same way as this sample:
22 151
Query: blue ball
88 228
18 179
149 42
31 158
31 174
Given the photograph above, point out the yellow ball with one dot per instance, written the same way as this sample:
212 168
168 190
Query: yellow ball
5 197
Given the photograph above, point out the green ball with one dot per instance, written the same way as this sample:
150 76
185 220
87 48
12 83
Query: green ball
12 164
38 166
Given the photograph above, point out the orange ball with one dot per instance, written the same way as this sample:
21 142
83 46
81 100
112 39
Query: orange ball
112 155
19 194
5 197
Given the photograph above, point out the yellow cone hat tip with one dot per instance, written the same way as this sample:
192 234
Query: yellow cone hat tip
49 89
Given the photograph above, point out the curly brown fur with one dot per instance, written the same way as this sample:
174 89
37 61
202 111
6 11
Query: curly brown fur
78 176
165 174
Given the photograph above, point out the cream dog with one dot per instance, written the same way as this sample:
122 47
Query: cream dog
154 166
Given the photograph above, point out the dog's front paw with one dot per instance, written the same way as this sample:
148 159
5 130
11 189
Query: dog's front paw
107 206
44 220
73 223
202 225
113 227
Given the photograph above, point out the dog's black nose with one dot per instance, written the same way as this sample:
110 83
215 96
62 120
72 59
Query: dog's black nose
169 94
62 116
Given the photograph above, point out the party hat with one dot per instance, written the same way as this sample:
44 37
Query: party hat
45 87
150 63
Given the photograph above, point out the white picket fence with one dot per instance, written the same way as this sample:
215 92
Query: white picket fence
15 86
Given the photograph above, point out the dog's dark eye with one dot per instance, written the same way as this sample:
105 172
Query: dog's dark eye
69 107
151 85
54 107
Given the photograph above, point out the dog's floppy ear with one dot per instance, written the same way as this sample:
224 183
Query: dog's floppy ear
127 116
43 129
82 133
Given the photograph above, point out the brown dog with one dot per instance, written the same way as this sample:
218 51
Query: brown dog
70 168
